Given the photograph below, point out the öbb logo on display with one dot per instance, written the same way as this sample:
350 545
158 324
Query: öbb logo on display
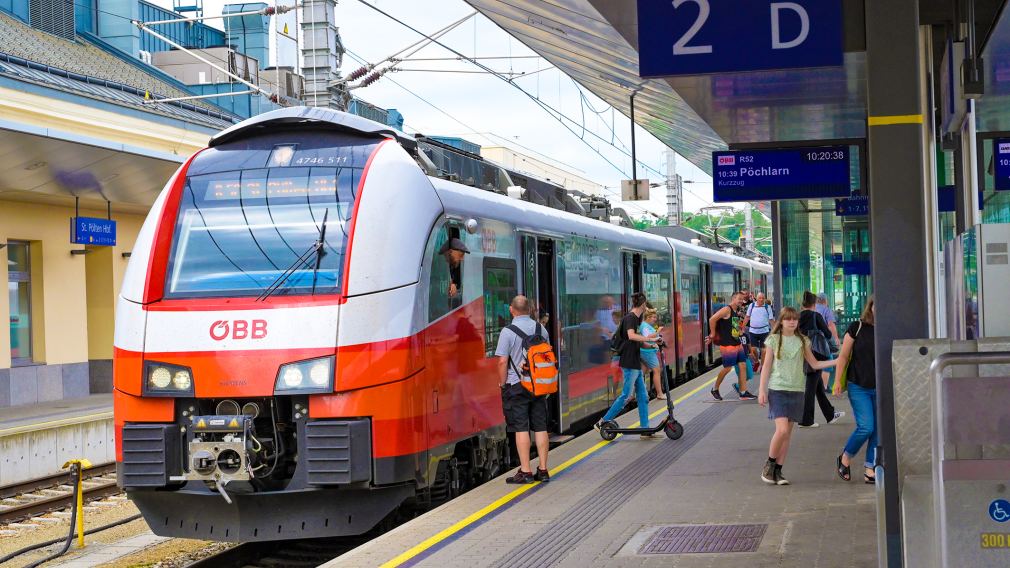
727 160
1004 148
238 329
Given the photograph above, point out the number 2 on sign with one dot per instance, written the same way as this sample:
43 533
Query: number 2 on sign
681 47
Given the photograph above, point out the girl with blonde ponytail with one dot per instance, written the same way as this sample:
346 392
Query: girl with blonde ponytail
783 384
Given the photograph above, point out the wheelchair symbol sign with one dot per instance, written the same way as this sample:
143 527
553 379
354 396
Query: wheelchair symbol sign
999 510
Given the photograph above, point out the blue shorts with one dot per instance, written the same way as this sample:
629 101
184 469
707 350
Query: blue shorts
651 358
732 355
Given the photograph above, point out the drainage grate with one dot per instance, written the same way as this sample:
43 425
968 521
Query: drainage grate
686 539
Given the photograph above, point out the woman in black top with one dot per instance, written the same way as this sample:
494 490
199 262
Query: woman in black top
812 323
861 376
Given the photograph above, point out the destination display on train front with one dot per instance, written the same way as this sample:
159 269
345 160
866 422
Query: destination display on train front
781 173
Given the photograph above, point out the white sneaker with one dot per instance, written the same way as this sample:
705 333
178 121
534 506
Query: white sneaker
814 425
838 414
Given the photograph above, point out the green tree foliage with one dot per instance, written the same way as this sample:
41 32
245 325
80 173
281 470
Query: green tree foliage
730 227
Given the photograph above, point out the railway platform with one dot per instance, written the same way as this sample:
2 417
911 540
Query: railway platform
36 440
635 502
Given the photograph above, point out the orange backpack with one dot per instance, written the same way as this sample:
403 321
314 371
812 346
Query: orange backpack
539 374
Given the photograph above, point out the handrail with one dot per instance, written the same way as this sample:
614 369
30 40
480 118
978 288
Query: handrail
936 369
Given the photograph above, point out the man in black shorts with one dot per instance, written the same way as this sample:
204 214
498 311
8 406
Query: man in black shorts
523 411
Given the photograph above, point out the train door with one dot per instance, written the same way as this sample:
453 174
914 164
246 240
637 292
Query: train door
705 303
738 279
541 287
632 277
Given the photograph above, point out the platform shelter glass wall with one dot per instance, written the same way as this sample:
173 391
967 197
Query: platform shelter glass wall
824 253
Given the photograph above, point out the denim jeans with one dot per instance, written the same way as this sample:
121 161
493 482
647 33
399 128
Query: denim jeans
632 378
864 407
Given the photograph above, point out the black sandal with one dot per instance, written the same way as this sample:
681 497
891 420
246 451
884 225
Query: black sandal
869 479
844 471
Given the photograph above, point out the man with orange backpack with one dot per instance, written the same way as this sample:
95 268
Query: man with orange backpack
527 374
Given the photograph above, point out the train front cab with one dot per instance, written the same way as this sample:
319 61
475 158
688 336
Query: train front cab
243 410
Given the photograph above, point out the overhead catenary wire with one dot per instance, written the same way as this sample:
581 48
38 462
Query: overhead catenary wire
556 114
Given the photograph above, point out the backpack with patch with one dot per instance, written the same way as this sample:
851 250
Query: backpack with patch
539 373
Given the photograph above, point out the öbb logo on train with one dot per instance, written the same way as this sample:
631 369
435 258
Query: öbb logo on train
238 329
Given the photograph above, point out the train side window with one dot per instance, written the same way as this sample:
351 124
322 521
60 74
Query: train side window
445 282
499 289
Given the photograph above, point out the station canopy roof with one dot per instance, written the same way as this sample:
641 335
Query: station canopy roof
596 43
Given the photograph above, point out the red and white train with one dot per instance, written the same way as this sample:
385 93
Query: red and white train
290 360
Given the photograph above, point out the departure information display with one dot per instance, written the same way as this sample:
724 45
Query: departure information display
781 173
1002 160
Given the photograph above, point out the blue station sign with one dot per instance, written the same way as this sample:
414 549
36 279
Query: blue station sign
781 173
92 231
1001 157
853 206
694 37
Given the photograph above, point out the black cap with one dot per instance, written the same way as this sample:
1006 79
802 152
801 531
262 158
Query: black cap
453 244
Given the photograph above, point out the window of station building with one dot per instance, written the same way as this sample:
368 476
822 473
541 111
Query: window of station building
19 294
445 282
499 289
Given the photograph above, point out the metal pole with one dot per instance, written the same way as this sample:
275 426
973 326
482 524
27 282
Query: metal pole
894 108
634 161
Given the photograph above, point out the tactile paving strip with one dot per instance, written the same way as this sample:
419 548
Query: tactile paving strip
582 518
686 539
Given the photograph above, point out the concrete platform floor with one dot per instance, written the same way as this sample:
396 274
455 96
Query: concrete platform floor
607 499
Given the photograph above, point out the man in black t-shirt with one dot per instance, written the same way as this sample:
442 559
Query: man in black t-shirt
631 364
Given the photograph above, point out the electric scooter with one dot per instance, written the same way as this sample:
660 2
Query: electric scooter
669 425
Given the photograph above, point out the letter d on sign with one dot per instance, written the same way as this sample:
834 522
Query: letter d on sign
777 42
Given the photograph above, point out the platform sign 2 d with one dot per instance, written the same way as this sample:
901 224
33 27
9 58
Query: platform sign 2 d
781 173
694 37
1001 157
92 231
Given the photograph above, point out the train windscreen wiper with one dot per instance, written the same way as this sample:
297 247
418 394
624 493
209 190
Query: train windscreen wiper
302 260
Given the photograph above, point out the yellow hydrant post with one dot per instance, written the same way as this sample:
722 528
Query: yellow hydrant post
77 468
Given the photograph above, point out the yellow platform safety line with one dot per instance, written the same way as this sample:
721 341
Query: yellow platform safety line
77 468
55 423
894 119
503 500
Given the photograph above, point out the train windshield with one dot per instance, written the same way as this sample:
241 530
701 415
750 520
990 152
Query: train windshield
244 231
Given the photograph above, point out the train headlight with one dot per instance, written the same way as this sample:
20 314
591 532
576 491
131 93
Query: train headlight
305 377
293 377
182 380
163 379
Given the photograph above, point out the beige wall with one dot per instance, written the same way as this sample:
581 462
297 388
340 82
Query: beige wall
61 300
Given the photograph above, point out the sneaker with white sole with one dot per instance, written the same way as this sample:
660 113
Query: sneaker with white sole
768 473
779 478
814 425
838 414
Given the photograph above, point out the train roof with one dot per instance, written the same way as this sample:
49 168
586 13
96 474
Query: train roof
310 115
526 215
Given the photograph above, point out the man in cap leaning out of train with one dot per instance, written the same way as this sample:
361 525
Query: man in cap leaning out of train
453 251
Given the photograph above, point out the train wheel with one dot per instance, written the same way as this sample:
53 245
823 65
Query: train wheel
607 430
674 430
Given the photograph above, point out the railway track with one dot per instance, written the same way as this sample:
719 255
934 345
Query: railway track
36 497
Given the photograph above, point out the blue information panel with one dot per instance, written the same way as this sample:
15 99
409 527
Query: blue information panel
1001 157
784 173
92 231
854 206
692 37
